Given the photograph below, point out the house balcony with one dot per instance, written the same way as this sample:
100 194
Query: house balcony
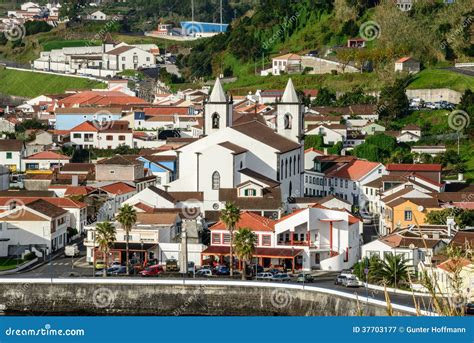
294 243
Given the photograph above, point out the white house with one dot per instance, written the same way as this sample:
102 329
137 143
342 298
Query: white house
12 152
45 160
289 63
332 133
38 227
109 136
97 15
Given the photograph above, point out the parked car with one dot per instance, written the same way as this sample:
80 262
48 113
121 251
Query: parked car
340 279
152 270
351 281
274 271
222 270
264 276
281 277
304 278
120 270
172 265
204 272
71 250
109 271
99 264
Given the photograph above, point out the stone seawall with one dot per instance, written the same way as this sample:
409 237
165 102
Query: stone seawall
173 297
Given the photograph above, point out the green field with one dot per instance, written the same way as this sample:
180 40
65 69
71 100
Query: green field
59 44
31 84
442 78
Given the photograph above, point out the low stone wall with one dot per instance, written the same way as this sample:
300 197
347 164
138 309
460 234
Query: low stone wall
176 297
434 95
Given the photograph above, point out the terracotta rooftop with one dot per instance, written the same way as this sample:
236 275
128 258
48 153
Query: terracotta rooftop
47 155
248 220
118 188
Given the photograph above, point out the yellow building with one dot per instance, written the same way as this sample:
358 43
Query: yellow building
403 212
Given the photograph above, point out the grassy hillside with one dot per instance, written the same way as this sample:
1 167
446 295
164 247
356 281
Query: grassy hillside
30 84
442 78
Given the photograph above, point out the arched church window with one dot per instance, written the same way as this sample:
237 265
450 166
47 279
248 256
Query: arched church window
288 121
294 165
216 180
215 120
286 168
290 166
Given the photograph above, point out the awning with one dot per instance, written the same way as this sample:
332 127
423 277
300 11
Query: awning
259 252
133 246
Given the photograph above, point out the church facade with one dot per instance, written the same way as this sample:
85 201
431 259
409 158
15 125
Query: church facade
247 158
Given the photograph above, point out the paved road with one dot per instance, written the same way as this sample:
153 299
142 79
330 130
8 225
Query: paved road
62 267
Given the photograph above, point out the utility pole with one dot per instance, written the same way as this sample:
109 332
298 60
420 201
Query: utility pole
192 11
221 17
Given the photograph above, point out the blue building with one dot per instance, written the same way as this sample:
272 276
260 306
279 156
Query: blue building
159 164
68 118
196 27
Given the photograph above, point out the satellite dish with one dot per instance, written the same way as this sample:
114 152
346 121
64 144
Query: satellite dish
421 208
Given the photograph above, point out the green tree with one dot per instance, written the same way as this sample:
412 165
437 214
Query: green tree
325 97
127 217
245 242
393 101
462 217
368 152
393 271
230 216
105 237
313 141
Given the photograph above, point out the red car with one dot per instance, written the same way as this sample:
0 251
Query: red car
152 270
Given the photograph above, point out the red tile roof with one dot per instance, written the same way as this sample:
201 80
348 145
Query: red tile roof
101 98
166 110
47 155
354 170
118 188
414 167
248 220
86 126
59 202
452 265
79 190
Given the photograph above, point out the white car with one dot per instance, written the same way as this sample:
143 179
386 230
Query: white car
204 272
71 250
264 276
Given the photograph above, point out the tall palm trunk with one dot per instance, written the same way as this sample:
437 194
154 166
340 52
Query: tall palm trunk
244 270
127 231
104 274
231 252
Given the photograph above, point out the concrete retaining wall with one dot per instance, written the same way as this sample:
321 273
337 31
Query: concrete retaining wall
432 95
179 297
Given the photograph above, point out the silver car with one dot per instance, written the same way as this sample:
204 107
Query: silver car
264 276
351 281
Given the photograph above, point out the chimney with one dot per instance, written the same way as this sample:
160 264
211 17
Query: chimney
325 150
75 180
460 177
450 223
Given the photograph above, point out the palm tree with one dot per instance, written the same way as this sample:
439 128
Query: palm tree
393 270
127 217
245 242
230 215
105 237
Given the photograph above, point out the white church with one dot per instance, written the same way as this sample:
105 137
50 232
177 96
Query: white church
245 161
